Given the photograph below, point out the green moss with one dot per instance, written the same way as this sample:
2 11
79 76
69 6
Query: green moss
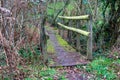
50 47
64 44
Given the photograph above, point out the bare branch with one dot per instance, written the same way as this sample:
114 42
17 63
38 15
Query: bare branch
5 11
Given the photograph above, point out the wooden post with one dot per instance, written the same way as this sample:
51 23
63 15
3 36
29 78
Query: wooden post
89 42
78 37
70 32
59 30
62 29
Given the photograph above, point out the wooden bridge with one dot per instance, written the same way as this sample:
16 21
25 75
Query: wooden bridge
66 58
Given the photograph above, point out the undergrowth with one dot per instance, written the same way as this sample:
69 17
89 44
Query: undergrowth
104 68
53 9
38 72
30 54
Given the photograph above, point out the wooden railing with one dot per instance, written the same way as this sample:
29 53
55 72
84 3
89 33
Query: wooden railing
79 31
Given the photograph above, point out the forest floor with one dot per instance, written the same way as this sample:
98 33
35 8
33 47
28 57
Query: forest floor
64 63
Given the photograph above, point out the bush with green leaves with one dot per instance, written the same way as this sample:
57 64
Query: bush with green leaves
26 53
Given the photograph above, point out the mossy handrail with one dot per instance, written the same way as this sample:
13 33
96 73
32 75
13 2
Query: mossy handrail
83 17
75 29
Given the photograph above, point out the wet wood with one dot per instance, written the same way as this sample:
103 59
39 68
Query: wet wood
83 17
75 30
78 46
89 42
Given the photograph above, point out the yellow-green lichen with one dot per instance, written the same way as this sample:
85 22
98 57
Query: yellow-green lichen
64 44
50 47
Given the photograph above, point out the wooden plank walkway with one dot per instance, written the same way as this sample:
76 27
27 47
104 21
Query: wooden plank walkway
62 57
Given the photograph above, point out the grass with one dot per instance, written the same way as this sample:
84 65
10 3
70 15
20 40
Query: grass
104 68
38 72
64 44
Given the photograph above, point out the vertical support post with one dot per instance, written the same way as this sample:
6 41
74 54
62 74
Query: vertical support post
62 34
70 32
89 42
59 30
78 37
